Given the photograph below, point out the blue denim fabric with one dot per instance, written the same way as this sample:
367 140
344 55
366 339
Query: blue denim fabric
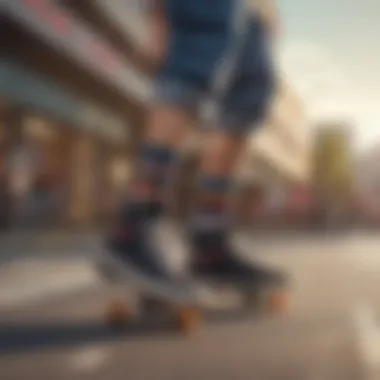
203 38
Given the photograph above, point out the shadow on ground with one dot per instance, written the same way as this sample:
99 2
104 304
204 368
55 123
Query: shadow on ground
24 337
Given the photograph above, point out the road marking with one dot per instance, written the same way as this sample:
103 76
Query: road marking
367 334
22 284
88 360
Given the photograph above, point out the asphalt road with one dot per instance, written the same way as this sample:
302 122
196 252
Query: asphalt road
67 339
330 331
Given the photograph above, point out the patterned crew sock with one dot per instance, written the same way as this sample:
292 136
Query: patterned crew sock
155 168
211 221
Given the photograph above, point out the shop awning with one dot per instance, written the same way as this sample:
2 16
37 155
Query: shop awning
57 27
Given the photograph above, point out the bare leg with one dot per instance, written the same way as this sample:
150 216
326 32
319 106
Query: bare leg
212 218
167 126
166 131
130 242
213 207
213 256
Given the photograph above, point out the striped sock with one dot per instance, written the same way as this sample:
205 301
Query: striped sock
153 174
211 221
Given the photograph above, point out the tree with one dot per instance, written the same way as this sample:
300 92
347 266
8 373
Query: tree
332 167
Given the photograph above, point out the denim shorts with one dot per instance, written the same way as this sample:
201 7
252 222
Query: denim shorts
218 54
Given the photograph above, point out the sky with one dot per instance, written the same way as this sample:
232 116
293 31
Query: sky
329 51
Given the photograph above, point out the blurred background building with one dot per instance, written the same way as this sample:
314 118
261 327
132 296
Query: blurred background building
68 100
367 178
277 164
333 174
74 83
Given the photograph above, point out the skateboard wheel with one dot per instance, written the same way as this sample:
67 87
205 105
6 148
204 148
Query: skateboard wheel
188 319
118 313
278 302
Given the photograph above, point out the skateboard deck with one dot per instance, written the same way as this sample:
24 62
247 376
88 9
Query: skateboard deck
186 303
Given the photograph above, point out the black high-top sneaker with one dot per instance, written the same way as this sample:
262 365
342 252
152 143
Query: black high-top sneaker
213 259
131 246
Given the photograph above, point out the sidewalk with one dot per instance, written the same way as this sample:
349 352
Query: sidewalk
27 281
47 243
73 244
39 265
34 266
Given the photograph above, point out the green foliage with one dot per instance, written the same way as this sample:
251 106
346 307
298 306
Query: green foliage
332 168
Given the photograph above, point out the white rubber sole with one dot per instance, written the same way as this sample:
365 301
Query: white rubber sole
203 294
125 273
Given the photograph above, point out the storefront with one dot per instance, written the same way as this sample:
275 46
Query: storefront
56 150
3 132
70 110
114 168
4 187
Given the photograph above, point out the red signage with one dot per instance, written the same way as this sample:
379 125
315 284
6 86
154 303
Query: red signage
52 15
300 199
103 56
95 50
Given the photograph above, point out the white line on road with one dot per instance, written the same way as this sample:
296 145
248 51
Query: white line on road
88 360
367 333
22 283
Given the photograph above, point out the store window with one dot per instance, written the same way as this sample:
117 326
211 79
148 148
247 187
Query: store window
38 172
3 141
113 181
5 194
120 171
119 176
83 185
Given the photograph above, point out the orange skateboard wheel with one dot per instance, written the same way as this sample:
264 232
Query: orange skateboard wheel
118 313
188 318
278 302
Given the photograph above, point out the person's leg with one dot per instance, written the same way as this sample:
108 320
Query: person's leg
212 215
155 166
166 130
197 41
244 105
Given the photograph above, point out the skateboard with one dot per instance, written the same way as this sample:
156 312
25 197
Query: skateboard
186 304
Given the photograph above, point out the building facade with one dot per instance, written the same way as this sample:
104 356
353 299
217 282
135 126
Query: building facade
70 109
278 159
367 185
333 171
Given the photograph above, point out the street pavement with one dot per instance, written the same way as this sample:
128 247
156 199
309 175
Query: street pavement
330 332
29 280
55 243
